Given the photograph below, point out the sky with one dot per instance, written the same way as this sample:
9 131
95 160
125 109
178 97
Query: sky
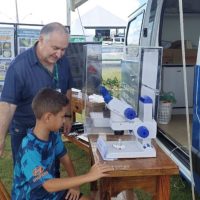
45 11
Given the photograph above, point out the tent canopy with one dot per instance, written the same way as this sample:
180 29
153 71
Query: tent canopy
97 18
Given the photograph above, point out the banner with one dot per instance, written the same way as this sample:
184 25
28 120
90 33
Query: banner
6 43
6 51
26 38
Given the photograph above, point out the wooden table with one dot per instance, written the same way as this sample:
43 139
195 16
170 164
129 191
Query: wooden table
149 174
81 144
4 194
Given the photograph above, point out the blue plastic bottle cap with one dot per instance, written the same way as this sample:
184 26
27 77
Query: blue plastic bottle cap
103 91
107 98
129 113
143 132
146 99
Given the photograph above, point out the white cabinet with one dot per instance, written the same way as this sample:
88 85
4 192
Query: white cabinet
173 81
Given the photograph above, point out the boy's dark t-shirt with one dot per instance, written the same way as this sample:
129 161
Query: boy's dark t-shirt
35 164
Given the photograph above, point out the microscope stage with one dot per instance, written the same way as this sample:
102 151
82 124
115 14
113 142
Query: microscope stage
111 150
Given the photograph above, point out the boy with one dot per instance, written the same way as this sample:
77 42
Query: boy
34 172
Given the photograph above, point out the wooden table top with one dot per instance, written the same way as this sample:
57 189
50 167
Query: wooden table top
162 164
81 144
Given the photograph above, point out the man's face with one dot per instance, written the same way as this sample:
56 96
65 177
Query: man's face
53 47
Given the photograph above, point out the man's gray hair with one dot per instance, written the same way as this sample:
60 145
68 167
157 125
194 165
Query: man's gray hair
54 26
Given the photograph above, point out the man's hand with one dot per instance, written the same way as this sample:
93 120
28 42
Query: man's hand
7 111
67 126
69 120
73 194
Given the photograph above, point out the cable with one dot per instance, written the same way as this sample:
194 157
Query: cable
81 22
186 93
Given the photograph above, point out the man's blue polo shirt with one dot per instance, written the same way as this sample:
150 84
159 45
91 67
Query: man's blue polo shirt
25 77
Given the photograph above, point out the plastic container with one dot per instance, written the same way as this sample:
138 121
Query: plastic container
98 119
105 122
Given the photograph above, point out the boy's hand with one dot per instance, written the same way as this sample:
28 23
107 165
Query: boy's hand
98 171
73 194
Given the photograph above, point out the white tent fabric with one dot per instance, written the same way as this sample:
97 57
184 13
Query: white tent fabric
97 17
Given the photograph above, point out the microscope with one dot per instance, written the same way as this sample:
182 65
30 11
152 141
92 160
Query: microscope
124 118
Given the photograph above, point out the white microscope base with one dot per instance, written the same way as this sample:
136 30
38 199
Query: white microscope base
132 150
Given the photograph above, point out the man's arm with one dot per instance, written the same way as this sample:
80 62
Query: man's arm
69 96
68 122
7 111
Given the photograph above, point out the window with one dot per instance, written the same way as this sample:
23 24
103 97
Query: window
134 30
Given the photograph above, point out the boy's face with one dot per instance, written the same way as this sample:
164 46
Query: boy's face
56 121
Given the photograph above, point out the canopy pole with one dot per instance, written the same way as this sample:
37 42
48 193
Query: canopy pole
16 9
68 12
186 94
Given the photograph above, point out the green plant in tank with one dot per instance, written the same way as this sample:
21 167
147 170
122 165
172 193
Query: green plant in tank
113 85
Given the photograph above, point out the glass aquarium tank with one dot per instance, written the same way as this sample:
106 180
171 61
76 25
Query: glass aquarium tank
125 73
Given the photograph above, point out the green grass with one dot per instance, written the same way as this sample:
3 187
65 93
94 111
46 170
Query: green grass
180 189
6 165
81 161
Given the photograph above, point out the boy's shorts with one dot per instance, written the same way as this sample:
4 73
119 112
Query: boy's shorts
63 198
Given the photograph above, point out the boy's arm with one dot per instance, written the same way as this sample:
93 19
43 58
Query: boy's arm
68 165
69 168
57 184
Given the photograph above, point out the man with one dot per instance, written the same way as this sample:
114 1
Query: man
43 65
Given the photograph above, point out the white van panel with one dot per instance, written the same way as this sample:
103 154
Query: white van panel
173 81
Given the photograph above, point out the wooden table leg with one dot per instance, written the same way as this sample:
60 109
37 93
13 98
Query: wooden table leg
105 190
163 188
93 186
